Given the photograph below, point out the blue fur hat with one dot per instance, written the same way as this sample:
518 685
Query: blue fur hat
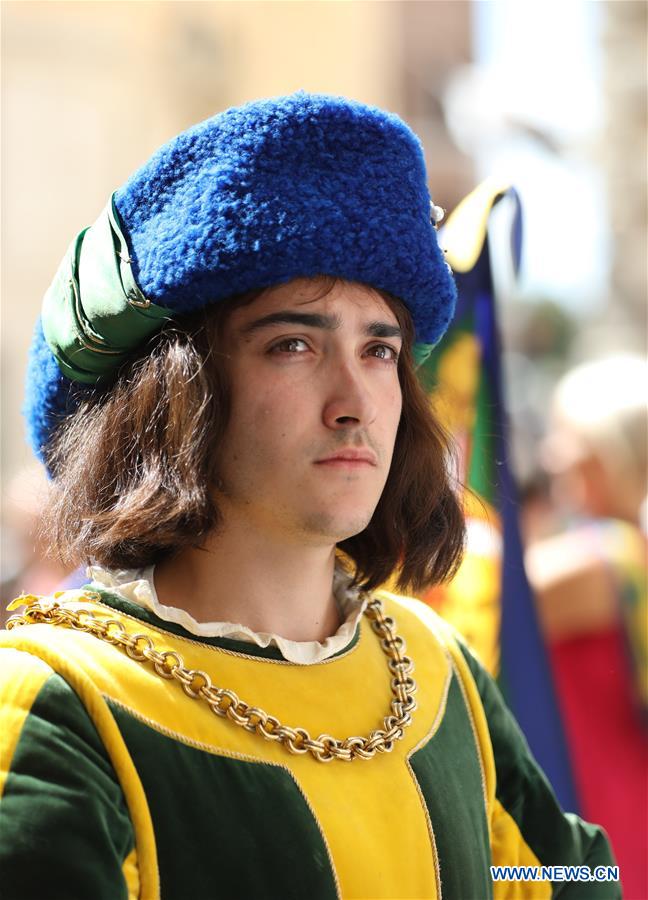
294 186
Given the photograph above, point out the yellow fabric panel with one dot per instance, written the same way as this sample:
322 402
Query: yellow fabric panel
344 797
55 654
510 849
21 678
130 869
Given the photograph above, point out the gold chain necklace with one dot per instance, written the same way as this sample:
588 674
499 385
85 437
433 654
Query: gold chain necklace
225 703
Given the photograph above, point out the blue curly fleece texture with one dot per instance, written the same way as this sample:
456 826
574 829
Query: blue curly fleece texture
300 185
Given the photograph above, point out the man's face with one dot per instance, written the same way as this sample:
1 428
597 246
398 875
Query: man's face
315 406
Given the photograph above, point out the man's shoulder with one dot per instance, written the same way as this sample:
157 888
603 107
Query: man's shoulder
56 631
411 613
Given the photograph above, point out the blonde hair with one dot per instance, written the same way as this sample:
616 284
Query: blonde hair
604 406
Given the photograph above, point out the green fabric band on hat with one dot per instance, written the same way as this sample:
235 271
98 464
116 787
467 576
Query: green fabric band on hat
421 352
94 315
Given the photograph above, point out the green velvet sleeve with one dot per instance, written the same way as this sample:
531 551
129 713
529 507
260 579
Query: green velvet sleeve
64 826
556 838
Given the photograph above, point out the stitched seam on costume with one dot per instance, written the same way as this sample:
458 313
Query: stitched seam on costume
196 643
426 812
38 679
424 740
444 641
232 754
338 888
475 738
532 858
178 736
442 708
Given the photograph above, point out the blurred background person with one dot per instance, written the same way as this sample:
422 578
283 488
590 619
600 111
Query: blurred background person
590 582
596 454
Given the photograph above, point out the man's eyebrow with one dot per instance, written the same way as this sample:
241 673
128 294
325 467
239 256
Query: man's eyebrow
384 329
288 317
317 320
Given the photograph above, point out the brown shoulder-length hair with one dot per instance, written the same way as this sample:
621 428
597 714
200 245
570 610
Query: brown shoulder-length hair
135 469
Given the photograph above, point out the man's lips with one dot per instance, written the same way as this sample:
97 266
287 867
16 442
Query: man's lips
353 458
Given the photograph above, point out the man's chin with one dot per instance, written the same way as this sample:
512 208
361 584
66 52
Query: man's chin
335 527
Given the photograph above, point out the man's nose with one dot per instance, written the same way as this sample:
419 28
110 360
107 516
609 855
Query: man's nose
350 400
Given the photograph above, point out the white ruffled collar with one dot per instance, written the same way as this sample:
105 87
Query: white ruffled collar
138 586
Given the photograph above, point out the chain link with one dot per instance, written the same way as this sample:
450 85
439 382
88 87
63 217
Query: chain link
225 703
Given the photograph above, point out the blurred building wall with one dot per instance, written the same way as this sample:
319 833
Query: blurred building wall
436 39
623 151
90 89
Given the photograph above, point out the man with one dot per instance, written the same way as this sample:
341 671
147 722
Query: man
222 387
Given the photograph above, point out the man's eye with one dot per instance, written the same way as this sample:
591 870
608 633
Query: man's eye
289 345
384 351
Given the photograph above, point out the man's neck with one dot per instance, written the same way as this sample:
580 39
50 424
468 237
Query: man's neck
241 575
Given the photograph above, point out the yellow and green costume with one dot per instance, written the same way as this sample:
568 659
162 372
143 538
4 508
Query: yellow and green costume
116 783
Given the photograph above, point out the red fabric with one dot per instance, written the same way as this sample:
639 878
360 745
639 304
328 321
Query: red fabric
608 746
